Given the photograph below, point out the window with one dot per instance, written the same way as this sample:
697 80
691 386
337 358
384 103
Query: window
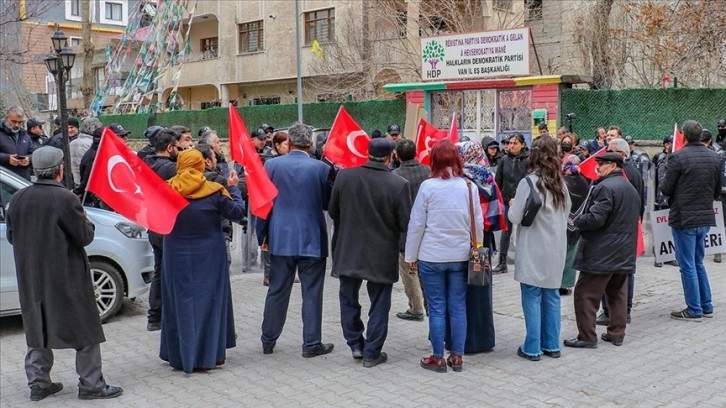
76 8
505 5
251 37
73 10
75 41
114 11
209 47
320 25
265 100
215 104
533 9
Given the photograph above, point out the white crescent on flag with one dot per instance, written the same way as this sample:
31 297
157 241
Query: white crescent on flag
350 141
112 162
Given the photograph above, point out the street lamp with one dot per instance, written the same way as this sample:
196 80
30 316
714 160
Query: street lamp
59 64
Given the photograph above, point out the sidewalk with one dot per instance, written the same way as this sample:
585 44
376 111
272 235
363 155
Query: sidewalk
663 362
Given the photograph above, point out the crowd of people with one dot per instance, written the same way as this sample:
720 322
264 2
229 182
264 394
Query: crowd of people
393 217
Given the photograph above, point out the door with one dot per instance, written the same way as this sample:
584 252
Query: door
514 113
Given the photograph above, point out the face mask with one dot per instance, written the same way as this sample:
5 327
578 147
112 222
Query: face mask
722 132
566 147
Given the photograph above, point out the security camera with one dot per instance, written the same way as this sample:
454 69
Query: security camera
272 16
571 116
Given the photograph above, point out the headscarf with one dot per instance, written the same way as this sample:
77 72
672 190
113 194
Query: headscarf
476 165
572 165
190 181
476 169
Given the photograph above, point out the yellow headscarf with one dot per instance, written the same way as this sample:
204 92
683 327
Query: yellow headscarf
189 180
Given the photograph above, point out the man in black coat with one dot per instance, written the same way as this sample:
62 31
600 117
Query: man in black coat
370 207
15 144
606 254
56 289
622 147
692 181
415 173
163 162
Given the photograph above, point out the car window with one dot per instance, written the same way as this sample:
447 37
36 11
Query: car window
6 192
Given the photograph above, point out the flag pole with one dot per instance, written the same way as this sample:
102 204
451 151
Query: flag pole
93 166
298 62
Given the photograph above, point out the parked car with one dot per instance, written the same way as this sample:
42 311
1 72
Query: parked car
120 256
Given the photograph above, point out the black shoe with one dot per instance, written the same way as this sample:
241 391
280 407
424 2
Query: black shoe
322 348
686 315
380 360
267 349
602 320
551 354
565 291
153 326
528 357
577 343
357 354
407 315
658 264
672 263
37 393
606 337
717 258
628 319
106 392
501 268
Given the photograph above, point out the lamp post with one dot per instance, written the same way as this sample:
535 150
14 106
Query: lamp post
59 64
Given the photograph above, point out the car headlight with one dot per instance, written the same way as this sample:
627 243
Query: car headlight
131 230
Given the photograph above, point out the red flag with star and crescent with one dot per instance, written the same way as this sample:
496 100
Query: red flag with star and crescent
259 186
426 137
587 167
129 186
347 144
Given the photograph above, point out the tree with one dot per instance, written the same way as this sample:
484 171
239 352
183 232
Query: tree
87 84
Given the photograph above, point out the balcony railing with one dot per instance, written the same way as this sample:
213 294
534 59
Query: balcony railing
200 56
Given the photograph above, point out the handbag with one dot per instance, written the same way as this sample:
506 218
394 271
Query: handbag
531 206
479 272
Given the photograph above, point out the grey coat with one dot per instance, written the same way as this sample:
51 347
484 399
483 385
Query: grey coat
48 230
541 247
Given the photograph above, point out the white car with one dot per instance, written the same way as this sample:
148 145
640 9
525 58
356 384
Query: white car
120 256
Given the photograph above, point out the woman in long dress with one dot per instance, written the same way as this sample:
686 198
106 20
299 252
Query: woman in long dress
197 325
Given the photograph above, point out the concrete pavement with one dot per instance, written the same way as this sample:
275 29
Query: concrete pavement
663 362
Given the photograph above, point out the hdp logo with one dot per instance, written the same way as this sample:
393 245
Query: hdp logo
433 53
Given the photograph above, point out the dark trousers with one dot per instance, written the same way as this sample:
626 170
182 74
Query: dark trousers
350 309
282 275
157 245
506 237
588 291
631 292
39 361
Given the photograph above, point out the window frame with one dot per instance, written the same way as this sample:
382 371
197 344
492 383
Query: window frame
260 36
307 20
124 12
71 38
68 9
210 46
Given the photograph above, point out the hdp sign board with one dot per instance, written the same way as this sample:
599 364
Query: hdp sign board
665 249
475 55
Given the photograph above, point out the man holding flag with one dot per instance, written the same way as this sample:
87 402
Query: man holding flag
295 233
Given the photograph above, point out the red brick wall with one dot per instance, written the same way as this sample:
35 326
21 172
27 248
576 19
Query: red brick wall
547 97
416 97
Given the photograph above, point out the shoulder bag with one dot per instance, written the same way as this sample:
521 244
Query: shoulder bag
480 270
531 206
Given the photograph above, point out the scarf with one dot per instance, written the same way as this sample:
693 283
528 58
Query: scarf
190 181
476 169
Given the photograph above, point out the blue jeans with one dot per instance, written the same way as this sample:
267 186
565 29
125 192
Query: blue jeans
541 309
445 288
690 247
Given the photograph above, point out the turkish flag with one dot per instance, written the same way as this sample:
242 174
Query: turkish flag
259 187
678 139
426 137
587 167
347 144
129 186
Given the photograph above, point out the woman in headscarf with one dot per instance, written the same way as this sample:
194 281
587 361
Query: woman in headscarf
479 313
197 325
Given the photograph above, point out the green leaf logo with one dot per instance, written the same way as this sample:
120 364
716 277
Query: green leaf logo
433 53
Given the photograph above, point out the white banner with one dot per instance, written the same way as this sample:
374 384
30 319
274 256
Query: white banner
665 249
475 55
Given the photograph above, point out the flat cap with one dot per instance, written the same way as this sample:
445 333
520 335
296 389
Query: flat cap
381 147
611 158
47 157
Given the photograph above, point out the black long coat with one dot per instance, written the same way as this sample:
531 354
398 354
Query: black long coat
370 207
48 230
609 227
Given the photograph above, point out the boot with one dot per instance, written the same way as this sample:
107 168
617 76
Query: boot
717 258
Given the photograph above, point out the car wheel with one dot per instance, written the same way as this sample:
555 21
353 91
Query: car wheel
108 287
